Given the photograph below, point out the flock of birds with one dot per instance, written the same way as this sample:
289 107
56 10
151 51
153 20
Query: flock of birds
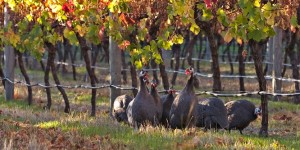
183 110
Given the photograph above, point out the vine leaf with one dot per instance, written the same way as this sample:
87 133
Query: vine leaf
227 37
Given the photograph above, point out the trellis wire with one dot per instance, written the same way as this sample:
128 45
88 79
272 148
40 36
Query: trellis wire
198 73
182 58
241 93
216 94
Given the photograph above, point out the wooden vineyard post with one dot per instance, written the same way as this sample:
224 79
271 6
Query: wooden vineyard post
115 67
9 63
270 55
277 62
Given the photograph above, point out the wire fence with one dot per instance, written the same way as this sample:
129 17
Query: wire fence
180 71
216 94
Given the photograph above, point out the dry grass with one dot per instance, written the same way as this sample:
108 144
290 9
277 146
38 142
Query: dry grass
31 127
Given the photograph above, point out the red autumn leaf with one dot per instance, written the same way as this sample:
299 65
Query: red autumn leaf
123 19
130 20
126 20
101 33
244 53
69 24
104 2
207 3
65 7
68 7
124 45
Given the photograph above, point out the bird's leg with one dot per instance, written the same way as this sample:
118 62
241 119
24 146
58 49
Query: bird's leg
136 128
241 132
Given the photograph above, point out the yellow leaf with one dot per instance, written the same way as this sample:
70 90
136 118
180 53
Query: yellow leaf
26 41
138 64
13 38
195 28
81 30
11 4
55 8
29 17
239 40
257 3
271 20
227 37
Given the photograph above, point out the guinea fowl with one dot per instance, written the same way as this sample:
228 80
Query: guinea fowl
182 113
211 113
240 113
119 109
167 101
156 97
143 109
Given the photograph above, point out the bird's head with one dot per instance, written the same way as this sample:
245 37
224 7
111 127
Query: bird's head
171 91
257 111
144 75
189 71
154 83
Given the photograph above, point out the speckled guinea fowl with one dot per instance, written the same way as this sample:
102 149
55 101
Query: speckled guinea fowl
240 114
182 113
142 109
158 102
211 113
167 101
119 109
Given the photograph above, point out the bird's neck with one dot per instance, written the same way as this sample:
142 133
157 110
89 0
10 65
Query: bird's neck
142 84
189 85
153 90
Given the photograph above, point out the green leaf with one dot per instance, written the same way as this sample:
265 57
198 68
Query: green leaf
294 21
267 9
167 34
185 20
207 15
23 25
92 35
157 58
147 48
256 35
221 16
153 45
71 36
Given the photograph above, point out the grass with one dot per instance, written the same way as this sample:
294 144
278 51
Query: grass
79 124
43 128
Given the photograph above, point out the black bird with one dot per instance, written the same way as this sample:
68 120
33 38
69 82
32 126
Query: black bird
143 109
241 113
211 113
182 113
119 109
167 101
